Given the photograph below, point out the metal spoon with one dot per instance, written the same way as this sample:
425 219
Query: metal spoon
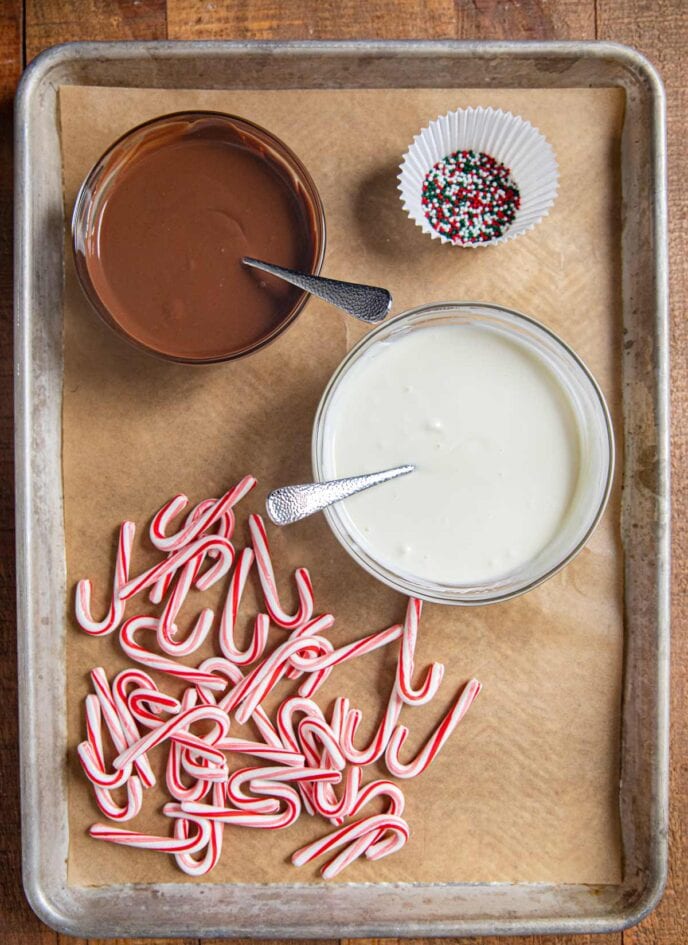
367 302
292 503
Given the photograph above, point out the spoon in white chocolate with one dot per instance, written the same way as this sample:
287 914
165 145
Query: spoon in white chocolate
292 503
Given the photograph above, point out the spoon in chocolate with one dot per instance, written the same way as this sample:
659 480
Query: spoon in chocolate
292 503
366 302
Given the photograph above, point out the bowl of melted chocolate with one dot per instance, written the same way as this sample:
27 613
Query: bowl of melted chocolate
163 220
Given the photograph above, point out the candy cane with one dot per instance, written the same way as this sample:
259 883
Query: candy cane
221 666
116 701
261 627
91 753
207 769
407 649
243 818
225 523
196 527
336 809
378 744
311 664
280 773
115 613
280 756
314 626
434 744
267 674
92 760
313 731
259 540
173 777
167 628
117 725
202 546
127 639
287 733
173 726
345 835
146 705
321 666
188 863
142 841
173 772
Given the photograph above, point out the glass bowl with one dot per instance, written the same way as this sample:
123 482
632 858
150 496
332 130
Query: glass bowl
596 453
170 130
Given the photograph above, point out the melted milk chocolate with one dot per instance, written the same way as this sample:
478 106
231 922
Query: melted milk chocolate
164 253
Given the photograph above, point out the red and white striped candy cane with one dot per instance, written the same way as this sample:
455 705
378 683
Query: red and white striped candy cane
173 774
177 726
267 674
396 803
185 861
223 667
134 650
92 759
434 744
346 835
378 744
174 777
407 650
321 666
115 613
146 705
244 818
326 802
314 731
225 528
198 525
256 647
280 756
117 725
142 841
287 733
311 664
304 587
167 628
316 626
91 753
204 769
281 773
120 686
321 748
170 565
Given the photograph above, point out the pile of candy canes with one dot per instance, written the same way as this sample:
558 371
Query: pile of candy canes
307 752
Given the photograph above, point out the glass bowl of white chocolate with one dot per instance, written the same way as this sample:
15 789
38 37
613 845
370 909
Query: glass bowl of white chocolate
510 437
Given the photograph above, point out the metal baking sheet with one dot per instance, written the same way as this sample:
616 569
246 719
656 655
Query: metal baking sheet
348 910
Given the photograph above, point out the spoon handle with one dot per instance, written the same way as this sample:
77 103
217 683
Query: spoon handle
367 302
292 503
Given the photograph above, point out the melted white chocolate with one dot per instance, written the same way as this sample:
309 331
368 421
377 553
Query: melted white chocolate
494 438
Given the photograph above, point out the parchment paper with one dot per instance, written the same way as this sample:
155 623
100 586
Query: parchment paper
526 789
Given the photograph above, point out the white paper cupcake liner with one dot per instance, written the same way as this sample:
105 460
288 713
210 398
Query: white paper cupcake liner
509 139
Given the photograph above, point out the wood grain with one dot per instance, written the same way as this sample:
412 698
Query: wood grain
389 19
49 22
19 925
656 28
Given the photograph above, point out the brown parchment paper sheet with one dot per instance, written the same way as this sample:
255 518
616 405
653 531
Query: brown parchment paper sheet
526 790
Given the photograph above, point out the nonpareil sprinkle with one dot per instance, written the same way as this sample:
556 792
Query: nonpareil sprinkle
469 197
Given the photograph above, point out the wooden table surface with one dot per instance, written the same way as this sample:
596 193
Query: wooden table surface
658 28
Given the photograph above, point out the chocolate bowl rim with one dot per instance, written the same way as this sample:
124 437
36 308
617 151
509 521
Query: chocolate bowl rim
306 190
